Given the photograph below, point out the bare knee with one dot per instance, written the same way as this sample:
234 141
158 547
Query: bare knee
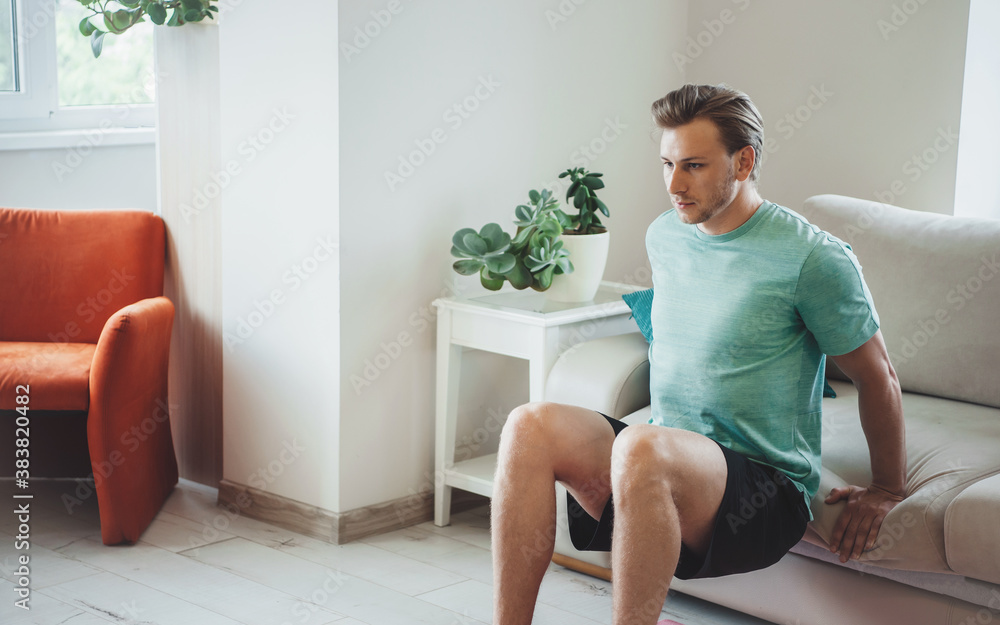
643 455
528 424
527 419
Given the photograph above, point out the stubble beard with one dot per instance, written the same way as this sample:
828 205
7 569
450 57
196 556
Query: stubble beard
720 199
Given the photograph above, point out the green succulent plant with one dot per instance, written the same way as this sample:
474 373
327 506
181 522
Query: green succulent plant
582 193
117 16
530 259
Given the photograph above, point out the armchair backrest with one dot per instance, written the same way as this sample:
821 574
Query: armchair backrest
64 273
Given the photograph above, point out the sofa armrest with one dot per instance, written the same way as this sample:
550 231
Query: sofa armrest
128 426
609 374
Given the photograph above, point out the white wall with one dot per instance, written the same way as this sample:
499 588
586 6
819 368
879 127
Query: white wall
102 177
279 112
891 71
553 88
976 192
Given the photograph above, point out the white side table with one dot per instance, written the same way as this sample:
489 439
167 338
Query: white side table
522 324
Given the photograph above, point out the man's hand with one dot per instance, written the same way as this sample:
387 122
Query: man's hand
857 527
880 405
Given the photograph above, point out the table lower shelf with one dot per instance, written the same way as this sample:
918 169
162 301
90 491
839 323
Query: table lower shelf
475 475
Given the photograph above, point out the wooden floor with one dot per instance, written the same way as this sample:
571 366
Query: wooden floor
198 565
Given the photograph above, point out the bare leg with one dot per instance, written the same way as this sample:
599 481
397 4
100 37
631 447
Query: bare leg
668 485
541 443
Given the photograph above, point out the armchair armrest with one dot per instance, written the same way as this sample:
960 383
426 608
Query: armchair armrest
128 426
609 374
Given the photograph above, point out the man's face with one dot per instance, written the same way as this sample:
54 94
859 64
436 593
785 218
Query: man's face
698 172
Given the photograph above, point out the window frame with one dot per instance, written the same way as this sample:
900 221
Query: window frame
33 115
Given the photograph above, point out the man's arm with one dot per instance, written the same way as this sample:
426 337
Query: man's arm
880 405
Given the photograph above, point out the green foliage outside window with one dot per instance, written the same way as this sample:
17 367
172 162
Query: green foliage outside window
117 16
124 74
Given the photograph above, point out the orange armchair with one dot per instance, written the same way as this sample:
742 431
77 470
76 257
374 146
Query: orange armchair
84 325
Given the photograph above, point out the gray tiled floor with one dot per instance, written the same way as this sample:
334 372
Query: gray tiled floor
197 565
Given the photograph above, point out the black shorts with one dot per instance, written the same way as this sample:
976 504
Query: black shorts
762 515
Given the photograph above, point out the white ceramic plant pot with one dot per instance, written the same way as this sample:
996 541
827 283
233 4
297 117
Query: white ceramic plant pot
589 255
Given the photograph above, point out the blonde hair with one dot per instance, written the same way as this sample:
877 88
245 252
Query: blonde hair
738 120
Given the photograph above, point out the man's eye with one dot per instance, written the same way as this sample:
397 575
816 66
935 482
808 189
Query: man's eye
667 164
694 165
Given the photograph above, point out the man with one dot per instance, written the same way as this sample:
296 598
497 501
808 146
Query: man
749 300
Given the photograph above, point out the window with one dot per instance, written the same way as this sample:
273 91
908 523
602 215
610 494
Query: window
976 193
50 80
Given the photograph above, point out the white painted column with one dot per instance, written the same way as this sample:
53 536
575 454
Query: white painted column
188 158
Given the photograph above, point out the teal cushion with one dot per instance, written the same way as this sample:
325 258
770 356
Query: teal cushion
641 303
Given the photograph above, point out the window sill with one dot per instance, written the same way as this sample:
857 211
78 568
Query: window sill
83 139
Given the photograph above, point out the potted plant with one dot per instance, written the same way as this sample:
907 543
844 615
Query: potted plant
117 16
533 257
584 237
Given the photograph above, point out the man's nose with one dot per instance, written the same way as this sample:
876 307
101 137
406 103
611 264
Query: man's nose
675 182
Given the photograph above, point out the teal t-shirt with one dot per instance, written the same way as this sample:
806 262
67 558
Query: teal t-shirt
741 325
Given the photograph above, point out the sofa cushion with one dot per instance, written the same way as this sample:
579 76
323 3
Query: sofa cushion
58 374
972 530
935 280
950 445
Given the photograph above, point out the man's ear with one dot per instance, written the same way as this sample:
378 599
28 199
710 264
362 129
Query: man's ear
745 158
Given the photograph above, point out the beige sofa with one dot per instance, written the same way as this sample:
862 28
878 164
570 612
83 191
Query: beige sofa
936 284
